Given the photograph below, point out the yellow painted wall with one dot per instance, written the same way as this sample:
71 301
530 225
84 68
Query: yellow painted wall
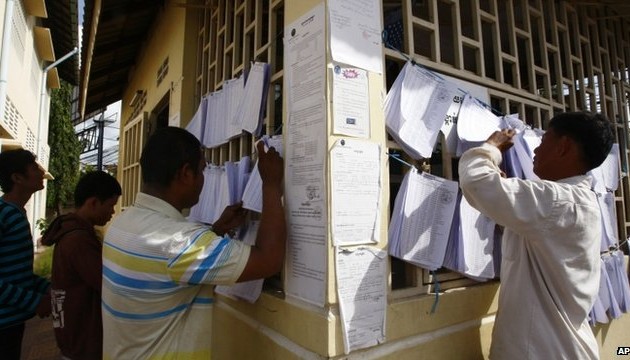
612 335
170 37
460 328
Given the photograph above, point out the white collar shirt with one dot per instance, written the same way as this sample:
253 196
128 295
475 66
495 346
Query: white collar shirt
550 266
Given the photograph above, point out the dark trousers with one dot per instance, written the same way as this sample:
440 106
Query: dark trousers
11 342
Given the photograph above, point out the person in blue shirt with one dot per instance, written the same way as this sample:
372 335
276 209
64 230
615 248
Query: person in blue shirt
22 293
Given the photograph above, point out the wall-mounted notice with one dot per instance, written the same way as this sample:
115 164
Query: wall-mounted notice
305 155
362 291
355 33
351 103
356 188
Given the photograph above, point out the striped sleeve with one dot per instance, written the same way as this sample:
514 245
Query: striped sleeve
209 259
20 289
19 297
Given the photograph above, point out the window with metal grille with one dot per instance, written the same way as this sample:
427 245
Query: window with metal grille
162 71
232 35
535 58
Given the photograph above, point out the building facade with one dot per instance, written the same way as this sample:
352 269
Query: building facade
535 58
39 41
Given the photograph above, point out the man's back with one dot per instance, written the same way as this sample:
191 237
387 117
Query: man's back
549 278
154 266
76 286
550 258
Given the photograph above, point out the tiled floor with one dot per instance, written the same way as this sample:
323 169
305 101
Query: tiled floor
39 340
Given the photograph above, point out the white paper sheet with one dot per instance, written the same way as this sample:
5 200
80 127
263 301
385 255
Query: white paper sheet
419 230
205 209
451 257
362 291
608 212
449 128
355 33
476 233
606 177
351 105
475 121
356 187
415 109
524 145
619 278
212 134
428 215
234 89
223 186
305 155
252 194
254 98
197 124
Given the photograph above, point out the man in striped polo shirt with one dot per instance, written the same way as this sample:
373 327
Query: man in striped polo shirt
22 293
159 269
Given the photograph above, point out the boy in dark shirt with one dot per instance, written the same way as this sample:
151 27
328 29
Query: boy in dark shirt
76 272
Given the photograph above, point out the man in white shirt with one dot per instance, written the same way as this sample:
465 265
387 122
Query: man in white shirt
159 269
550 266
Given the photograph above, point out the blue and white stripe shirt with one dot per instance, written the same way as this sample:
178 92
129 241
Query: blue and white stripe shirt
158 272
20 289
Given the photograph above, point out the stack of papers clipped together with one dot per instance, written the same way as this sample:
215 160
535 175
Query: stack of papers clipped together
239 106
433 226
421 219
606 179
415 109
223 186
197 124
613 298
471 246
252 194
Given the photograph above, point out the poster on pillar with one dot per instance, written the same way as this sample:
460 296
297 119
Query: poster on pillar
355 172
350 101
355 33
361 275
305 156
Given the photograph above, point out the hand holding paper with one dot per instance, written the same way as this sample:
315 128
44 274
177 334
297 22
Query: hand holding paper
232 217
502 139
270 165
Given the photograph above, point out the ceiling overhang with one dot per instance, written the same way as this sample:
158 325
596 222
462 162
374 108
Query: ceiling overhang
114 31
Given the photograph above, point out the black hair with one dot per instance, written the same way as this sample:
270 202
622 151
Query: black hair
592 132
97 184
166 151
13 162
